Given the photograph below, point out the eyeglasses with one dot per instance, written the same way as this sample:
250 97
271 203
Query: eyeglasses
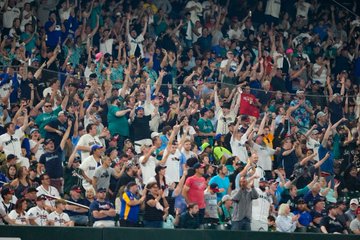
47 106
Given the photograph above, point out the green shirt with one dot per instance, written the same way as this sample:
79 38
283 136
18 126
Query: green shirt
205 126
43 119
117 125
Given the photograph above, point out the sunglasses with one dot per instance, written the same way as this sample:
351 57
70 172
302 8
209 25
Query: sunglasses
47 106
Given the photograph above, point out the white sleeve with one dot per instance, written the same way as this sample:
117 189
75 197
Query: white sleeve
66 217
13 215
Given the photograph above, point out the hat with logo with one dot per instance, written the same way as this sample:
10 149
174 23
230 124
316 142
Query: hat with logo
214 187
76 188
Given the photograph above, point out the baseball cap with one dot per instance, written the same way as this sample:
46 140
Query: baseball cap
109 151
77 159
130 184
320 114
204 110
6 191
95 147
315 132
301 201
48 140
336 95
214 187
60 113
299 91
138 109
204 146
155 134
320 199
11 157
218 136
354 201
262 180
34 130
198 165
40 198
332 206
101 190
158 168
225 198
317 215
76 189
31 189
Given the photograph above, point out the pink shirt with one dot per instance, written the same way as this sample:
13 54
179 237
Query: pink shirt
197 186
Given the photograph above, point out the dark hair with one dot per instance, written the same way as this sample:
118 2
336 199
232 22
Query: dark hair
7 172
89 127
42 176
18 205
151 185
191 205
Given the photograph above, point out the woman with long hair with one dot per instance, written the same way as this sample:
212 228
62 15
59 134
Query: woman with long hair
186 129
18 215
156 206
21 183
11 173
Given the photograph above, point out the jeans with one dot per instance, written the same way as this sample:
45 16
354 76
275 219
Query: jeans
81 220
243 224
153 224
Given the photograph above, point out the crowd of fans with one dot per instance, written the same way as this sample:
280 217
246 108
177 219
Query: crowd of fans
214 114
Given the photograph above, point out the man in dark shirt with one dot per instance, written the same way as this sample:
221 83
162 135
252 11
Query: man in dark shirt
52 159
129 175
330 224
190 218
77 214
56 128
140 127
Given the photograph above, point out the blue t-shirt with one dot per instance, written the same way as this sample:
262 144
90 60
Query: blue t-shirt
222 183
328 165
98 206
305 218
127 212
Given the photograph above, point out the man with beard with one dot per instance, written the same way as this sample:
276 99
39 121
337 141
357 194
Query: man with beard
330 224
302 111
261 207
242 200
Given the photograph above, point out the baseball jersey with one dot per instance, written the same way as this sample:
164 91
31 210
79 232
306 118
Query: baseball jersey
261 206
59 219
39 215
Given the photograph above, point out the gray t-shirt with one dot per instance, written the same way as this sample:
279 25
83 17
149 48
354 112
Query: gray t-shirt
355 225
211 205
103 177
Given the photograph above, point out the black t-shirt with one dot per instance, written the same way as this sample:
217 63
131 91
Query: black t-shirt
336 110
56 124
141 128
332 225
53 163
287 162
188 221
152 213
278 84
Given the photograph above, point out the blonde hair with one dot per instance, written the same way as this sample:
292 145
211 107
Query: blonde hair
282 209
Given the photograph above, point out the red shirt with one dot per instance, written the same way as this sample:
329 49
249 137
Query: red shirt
197 187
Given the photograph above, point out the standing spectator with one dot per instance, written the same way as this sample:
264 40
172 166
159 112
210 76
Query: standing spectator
102 211
302 112
193 190
51 160
206 130
242 199
211 213
156 206
87 140
285 221
261 207
102 174
58 217
89 165
222 180
130 205
135 41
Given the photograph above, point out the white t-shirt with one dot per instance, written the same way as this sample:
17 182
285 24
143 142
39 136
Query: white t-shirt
239 149
323 75
59 219
191 132
273 8
39 215
195 12
133 42
89 166
264 154
233 64
40 150
87 140
154 123
173 166
9 16
20 219
314 145
261 206
107 46
48 91
12 145
188 154
222 121
52 191
302 9
148 168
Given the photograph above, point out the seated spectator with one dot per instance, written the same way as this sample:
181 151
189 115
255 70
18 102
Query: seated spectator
37 215
355 224
58 217
18 215
77 214
189 219
329 224
285 221
102 211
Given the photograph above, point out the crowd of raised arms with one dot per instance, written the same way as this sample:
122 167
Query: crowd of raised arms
213 114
